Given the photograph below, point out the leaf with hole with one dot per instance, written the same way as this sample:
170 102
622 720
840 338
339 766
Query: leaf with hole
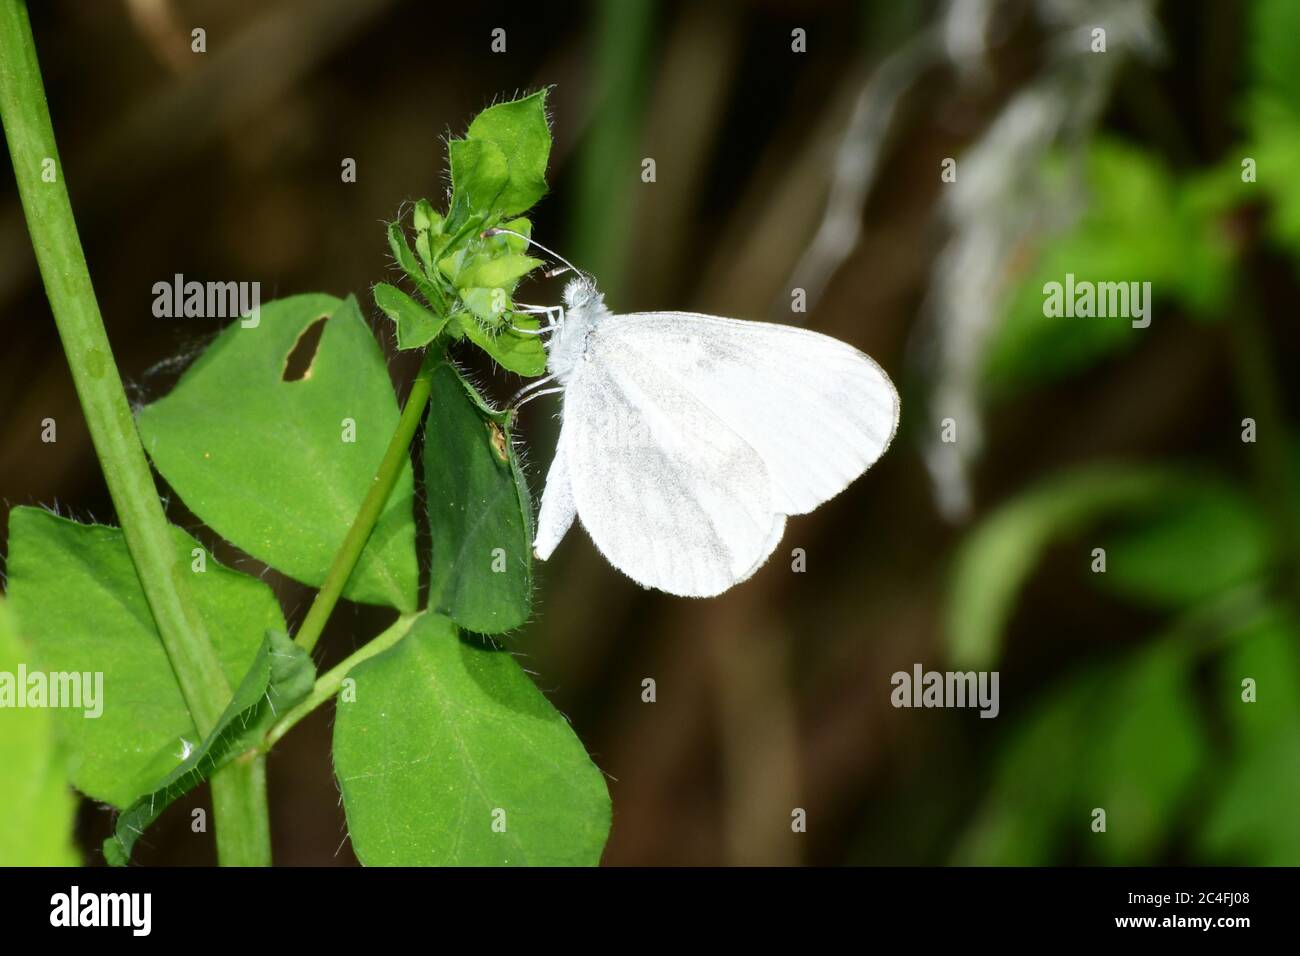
279 468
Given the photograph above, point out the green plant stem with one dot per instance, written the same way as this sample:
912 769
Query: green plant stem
602 214
239 793
364 523
328 684
162 574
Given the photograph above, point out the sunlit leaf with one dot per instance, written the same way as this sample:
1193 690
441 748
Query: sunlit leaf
1135 228
37 807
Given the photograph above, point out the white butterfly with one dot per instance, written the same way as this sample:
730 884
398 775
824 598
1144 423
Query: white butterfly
686 440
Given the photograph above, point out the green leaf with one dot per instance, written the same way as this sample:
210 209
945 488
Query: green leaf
447 738
76 595
1271 115
1018 824
1149 746
513 243
1275 147
37 808
1252 817
480 174
281 675
520 131
428 229
1122 737
407 261
1136 228
1265 649
264 461
995 559
480 518
502 271
1197 542
1272 27
521 354
416 325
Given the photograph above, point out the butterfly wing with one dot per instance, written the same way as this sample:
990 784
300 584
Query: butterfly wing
670 495
817 411
556 514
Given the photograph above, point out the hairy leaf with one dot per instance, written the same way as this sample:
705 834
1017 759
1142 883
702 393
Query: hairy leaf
280 676
416 325
520 131
480 518
449 756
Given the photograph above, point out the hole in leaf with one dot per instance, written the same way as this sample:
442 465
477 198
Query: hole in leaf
298 365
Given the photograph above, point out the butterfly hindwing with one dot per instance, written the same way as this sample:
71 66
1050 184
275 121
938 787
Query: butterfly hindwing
671 495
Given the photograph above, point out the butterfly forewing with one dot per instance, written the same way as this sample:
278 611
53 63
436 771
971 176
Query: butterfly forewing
818 412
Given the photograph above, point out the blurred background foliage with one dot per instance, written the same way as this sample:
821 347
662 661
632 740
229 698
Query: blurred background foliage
778 170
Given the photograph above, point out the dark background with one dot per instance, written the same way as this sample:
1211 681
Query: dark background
226 165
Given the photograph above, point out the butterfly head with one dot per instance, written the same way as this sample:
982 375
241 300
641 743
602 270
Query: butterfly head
584 306
581 294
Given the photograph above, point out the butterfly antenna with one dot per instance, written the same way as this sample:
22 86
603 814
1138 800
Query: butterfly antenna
498 231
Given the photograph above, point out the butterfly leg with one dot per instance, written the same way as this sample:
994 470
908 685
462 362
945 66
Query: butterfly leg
554 318
554 313
525 392
537 394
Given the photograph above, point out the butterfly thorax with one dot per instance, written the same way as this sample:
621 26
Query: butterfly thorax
584 307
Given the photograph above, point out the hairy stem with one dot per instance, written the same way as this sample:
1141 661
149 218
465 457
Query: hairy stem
162 573
364 523
328 684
